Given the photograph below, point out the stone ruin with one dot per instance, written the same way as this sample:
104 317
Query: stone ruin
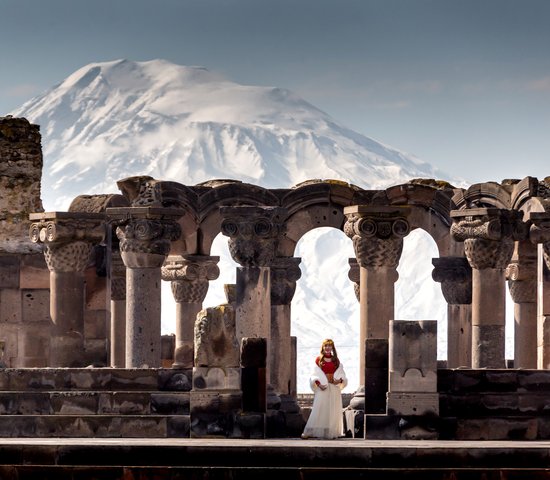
80 303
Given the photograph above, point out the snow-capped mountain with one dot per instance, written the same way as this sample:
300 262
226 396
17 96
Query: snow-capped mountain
116 119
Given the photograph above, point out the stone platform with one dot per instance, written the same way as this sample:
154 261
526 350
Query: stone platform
146 458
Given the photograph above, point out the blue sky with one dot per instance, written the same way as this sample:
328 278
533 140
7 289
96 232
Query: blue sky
462 84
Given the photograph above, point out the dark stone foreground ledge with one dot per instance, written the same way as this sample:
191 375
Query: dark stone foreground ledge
235 459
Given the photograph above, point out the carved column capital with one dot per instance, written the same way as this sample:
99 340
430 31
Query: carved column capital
488 235
190 275
377 233
68 238
522 281
145 234
253 233
285 272
455 276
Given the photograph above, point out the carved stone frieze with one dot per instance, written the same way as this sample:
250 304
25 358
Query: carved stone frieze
377 234
253 233
455 276
190 276
285 272
488 235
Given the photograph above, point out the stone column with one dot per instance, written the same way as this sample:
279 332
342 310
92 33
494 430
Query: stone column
488 235
540 235
521 274
377 233
285 272
118 309
455 276
145 235
189 276
253 233
68 240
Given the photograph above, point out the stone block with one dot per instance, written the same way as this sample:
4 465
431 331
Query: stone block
413 355
354 423
10 306
178 426
175 380
413 380
95 323
170 403
124 403
9 343
412 403
204 402
381 427
33 272
215 338
376 387
251 425
214 378
24 403
376 353
497 429
95 352
88 379
74 403
96 291
134 379
36 306
9 271
253 385
34 341
37 379
253 352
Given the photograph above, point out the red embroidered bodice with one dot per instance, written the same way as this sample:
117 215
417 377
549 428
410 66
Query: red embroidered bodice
327 367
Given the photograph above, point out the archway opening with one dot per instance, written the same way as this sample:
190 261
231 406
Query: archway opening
324 305
417 295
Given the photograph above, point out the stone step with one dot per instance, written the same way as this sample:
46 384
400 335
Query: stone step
503 428
492 381
95 379
94 403
97 426
472 405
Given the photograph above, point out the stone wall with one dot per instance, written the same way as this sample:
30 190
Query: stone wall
24 278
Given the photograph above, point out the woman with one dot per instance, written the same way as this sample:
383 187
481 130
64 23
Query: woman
327 381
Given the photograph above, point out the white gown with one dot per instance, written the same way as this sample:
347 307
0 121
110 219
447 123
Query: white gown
326 418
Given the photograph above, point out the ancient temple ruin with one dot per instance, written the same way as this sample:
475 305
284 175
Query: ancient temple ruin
80 306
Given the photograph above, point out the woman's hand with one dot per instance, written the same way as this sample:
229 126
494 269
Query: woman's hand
323 387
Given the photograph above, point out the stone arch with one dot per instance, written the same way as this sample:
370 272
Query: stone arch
220 193
430 207
313 204
488 194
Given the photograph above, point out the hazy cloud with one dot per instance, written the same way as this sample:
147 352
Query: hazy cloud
540 84
23 90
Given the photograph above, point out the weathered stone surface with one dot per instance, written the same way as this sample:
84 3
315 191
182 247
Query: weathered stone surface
215 338
216 378
412 403
20 174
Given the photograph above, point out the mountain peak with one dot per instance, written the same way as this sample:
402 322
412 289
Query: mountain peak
111 120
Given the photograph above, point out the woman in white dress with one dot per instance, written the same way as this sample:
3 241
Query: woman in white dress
327 381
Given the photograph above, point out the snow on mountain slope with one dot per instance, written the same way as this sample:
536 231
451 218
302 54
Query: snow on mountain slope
111 120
